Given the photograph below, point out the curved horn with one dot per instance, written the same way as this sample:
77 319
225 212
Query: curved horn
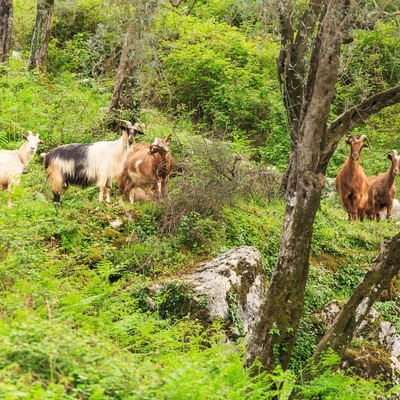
362 137
351 138
128 123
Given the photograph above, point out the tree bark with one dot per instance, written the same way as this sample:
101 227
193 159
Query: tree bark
6 18
124 66
41 35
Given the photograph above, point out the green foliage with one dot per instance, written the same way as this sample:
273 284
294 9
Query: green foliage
370 63
232 12
200 234
69 111
87 37
222 79
261 228
331 384
51 360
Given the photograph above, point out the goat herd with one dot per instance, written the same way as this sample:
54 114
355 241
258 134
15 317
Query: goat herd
142 169
362 196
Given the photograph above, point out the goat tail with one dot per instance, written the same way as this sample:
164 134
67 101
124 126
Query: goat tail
42 158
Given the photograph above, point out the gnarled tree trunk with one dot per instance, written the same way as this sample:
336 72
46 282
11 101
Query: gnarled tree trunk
6 17
276 332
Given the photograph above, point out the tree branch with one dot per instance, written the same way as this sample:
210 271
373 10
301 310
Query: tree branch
292 60
353 117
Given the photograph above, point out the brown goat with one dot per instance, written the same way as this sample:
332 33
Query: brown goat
382 189
351 182
148 167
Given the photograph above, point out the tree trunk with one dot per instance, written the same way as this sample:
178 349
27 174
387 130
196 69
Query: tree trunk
275 334
6 18
124 65
41 35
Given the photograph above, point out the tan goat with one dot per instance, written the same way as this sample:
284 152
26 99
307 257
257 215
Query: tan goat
147 170
351 182
382 189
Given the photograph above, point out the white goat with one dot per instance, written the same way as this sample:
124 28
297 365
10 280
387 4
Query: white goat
14 163
92 163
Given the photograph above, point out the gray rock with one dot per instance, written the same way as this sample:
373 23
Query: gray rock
233 286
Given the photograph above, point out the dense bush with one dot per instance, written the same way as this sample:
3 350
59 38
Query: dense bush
370 64
213 73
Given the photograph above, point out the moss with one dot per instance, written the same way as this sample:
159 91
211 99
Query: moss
116 238
94 255
330 261
369 362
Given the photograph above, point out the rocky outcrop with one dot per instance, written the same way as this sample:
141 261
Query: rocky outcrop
375 353
233 286
229 288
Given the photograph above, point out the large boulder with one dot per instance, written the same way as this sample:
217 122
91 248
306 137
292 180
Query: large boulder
229 288
233 285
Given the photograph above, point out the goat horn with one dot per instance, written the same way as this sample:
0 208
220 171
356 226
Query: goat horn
362 137
129 123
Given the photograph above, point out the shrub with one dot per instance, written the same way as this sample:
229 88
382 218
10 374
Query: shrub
222 79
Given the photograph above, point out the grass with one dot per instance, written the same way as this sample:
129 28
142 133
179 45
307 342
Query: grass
72 319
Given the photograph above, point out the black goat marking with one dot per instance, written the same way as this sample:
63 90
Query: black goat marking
76 154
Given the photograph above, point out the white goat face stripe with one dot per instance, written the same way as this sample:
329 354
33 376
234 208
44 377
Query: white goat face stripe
33 142
137 164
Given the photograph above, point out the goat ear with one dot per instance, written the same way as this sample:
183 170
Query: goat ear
24 137
349 140
392 154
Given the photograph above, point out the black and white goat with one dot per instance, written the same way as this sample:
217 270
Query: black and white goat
14 163
92 163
